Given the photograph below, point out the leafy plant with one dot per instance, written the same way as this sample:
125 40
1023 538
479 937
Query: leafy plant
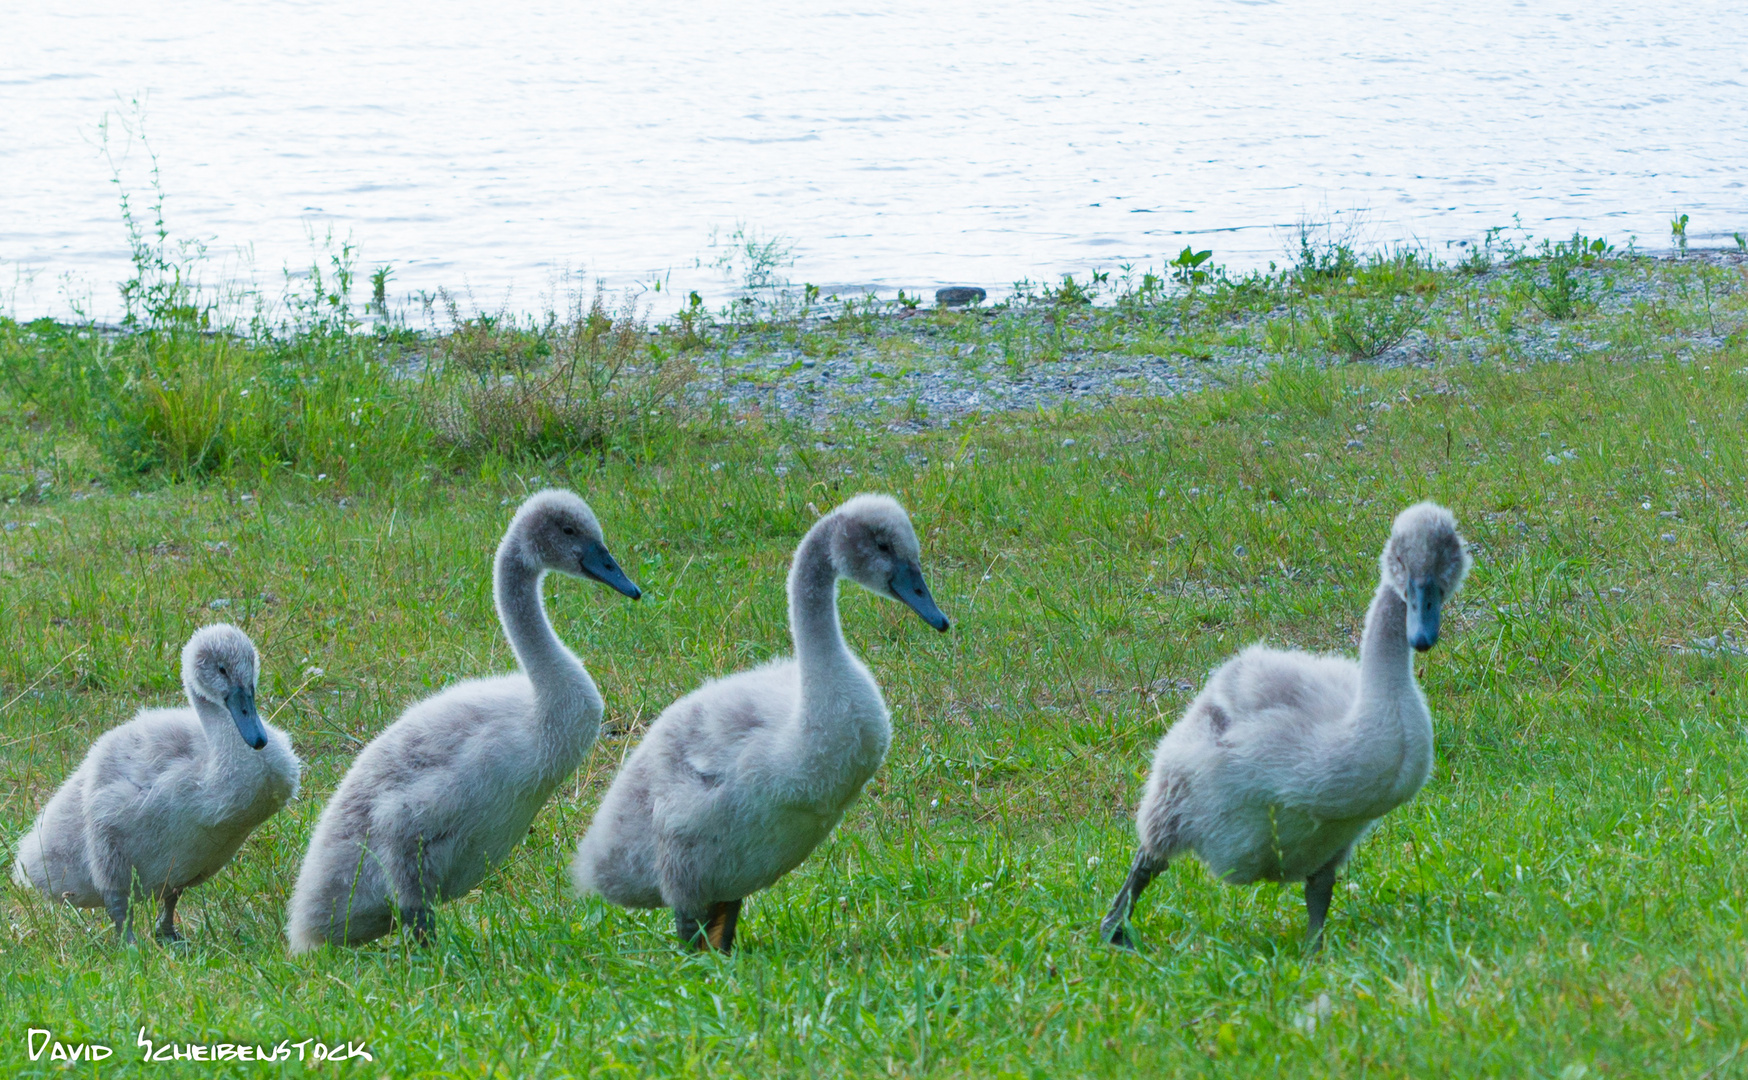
1187 270
1072 293
1678 230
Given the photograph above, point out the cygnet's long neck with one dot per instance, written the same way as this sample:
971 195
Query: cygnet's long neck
1391 715
568 705
813 615
233 767
842 730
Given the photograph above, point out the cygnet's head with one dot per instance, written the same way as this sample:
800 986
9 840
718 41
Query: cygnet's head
218 666
555 530
875 547
1424 562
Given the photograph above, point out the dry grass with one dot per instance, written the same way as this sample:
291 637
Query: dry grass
567 385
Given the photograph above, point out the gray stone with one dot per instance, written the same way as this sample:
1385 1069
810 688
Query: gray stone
959 296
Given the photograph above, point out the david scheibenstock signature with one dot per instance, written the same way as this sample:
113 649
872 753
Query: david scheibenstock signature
40 1041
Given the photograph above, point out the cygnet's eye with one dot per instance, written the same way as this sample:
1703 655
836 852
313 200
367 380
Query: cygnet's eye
567 530
222 670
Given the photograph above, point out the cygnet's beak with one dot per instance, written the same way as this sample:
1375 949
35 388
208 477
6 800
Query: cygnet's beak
241 702
597 562
1424 599
908 585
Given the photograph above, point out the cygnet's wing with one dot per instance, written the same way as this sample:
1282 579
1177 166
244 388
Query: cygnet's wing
1286 692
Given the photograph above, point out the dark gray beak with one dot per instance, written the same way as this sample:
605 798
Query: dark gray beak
597 562
1424 599
908 585
241 702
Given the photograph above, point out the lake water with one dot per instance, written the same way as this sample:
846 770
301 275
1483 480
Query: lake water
495 149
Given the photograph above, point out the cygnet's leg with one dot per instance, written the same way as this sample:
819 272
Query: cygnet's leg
1115 929
167 921
713 929
418 920
689 928
416 885
720 923
1319 887
117 903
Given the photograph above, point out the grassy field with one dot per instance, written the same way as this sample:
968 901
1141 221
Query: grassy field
1564 899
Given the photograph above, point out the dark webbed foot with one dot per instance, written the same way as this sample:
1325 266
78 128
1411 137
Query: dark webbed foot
1115 930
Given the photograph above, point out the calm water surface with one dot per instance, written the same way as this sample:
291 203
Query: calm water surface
496 148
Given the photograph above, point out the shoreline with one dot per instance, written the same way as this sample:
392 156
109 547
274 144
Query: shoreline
336 399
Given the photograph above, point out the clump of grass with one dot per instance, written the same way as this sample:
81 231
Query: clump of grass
571 384
1366 328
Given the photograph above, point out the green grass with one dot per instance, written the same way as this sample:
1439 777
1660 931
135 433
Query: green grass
1564 899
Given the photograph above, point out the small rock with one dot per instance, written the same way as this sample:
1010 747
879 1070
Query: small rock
219 604
959 296
1669 538
1067 442
808 361
1355 444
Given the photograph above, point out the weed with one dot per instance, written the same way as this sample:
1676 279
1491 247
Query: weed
379 289
1325 261
1072 293
1366 328
1554 281
1678 232
164 291
1187 270
1478 256
754 258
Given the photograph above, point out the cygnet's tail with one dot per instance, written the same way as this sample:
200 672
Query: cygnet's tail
21 875
620 870
341 896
